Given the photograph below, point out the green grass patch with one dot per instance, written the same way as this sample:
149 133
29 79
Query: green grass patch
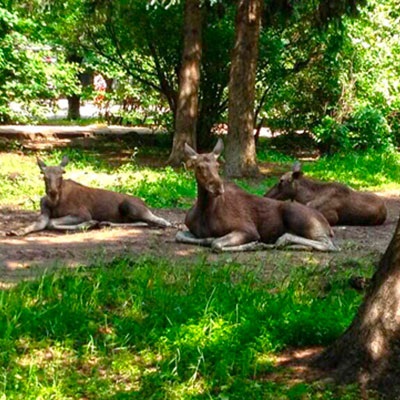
21 182
155 329
165 187
375 171
367 171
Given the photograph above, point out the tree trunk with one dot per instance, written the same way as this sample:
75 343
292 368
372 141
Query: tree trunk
74 106
187 105
240 151
369 351
74 101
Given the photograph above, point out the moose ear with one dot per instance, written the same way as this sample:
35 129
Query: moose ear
41 164
219 147
297 172
64 161
190 153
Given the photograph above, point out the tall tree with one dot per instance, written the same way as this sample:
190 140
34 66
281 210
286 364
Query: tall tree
189 79
369 351
240 148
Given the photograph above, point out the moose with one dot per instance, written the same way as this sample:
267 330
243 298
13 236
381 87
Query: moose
339 204
226 218
71 206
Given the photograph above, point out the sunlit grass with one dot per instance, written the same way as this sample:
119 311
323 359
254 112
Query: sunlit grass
149 329
164 187
366 171
22 184
372 170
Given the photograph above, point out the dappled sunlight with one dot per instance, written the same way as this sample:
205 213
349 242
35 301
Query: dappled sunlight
293 366
178 328
122 372
26 257
47 249
44 356
195 387
107 235
188 251
377 345
380 323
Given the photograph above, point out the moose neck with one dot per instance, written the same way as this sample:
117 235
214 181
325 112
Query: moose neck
306 189
204 197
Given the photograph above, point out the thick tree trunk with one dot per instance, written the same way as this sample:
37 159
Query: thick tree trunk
187 105
369 351
240 151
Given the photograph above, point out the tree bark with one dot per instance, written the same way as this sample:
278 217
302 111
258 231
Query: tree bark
369 351
74 107
240 151
189 78
74 100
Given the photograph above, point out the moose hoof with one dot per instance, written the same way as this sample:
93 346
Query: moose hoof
216 247
281 242
180 237
14 233
103 224
166 224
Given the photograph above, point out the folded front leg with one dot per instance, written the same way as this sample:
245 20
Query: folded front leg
39 225
251 246
109 224
293 241
71 223
233 240
189 238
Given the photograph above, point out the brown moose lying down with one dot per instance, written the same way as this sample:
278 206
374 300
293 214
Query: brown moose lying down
69 205
338 203
225 217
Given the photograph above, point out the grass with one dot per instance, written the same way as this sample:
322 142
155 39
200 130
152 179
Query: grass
371 170
167 329
165 187
22 184
152 329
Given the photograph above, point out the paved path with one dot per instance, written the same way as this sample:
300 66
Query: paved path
32 132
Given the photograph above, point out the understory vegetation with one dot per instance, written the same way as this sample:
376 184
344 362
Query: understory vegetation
155 329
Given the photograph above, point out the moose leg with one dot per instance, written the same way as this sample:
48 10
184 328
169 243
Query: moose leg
237 241
234 241
121 225
39 225
139 212
154 220
71 223
288 239
189 238
251 246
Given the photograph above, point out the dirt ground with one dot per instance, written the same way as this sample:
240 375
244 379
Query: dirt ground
25 257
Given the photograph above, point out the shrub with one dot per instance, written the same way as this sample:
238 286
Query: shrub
331 136
366 128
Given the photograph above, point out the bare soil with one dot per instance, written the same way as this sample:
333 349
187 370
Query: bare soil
26 257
